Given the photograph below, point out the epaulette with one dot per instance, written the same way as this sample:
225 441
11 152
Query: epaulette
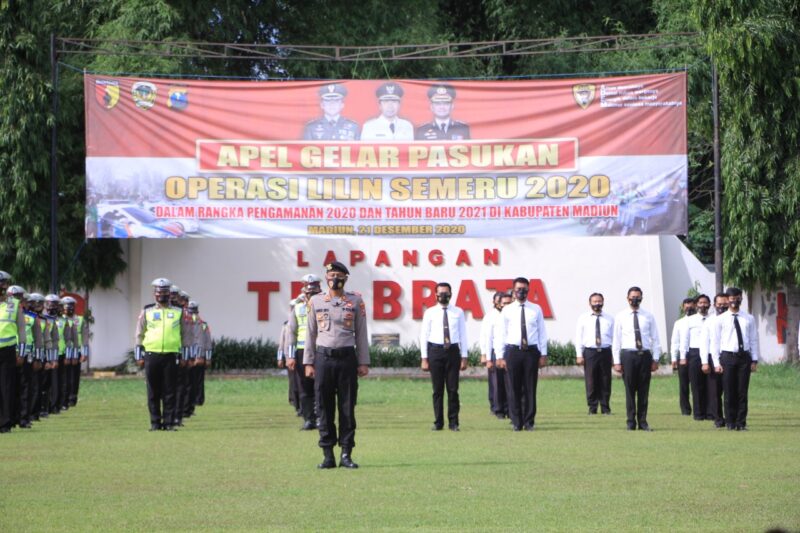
353 293
148 306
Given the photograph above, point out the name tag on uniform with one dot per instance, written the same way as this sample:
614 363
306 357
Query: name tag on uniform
170 315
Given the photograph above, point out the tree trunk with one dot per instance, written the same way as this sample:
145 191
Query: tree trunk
792 320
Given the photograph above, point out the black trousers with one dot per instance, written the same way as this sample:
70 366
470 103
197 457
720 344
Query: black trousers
714 395
492 383
24 392
58 382
498 377
336 386
523 376
597 364
636 375
444 367
75 384
735 383
8 380
198 375
181 393
305 388
161 372
45 381
683 389
698 383
34 393
294 395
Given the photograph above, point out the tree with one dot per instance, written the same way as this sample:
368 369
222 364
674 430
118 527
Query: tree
756 45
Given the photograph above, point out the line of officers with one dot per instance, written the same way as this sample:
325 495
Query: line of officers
43 343
173 344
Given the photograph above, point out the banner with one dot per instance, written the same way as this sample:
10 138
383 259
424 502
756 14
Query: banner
185 158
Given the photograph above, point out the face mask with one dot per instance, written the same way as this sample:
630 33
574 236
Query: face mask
162 298
735 303
721 309
690 312
702 309
521 294
443 298
635 301
597 308
336 284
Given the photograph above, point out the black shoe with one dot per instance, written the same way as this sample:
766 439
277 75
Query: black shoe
516 428
155 427
25 425
529 427
698 418
631 427
345 461
607 413
169 428
308 425
453 427
500 416
592 411
327 463
44 414
742 428
436 427
684 413
644 427
719 425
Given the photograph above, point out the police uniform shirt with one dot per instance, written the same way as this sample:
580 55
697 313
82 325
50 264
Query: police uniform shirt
694 335
379 129
486 340
625 336
433 329
337 322
19 319
442 130
141 324
205 344
33 348
724 338
585 332
293 326
676 341
82 334
509 329
331 129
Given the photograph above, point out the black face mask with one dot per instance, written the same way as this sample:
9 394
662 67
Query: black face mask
702 309
336 284
635 302
521 294
597 308
737 302
443 298
162 298
721 309
690 312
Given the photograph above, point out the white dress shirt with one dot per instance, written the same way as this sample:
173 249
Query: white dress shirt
723 335
487 332
625 336
694 334
585 332
433 328
509 330
676 341
378 129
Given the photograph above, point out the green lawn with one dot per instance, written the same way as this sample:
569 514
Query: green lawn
242 464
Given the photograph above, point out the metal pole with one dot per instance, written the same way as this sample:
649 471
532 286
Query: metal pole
718 273
54 171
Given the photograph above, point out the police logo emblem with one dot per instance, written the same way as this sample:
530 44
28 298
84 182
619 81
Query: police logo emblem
144 94
583 94
178 98
107 92
390 89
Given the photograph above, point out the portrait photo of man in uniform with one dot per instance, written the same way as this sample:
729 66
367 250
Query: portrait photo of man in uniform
388 126
331 126
442 127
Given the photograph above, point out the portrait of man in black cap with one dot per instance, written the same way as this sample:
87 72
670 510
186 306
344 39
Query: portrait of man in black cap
388 126
442 127
331 126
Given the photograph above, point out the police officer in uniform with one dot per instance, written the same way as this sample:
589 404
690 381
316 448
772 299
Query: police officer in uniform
50 375
12 339
58 394
297 329
332 126
336 353
36 352
284 346
388 126
205 346
80 351
159 341
442 127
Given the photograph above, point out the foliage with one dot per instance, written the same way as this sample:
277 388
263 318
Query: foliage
247 354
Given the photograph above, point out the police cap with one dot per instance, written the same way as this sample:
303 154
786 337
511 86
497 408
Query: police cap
52 298
15 290
174 289
332 91
5 276
311 278
336 266
389 91
35 297
68 300
161 283
184 294
441 93
193 305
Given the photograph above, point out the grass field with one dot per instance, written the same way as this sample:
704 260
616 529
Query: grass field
242 464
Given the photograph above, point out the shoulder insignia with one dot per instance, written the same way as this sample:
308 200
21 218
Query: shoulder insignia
148 306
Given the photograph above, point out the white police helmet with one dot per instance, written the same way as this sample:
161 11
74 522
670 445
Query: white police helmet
52 298
174 289
68 300
161 283
193 305
35 297
5 276
311 278
15 290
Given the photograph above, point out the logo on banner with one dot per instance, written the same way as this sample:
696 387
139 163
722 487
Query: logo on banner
178 98
144 94
584 94
107 92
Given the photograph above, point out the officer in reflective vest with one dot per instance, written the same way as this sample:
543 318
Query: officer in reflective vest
50 380
298 320
65 346
12 338
80 335
159 342
184 384
36 304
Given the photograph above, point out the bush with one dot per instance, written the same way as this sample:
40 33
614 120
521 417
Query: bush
560 354
251 353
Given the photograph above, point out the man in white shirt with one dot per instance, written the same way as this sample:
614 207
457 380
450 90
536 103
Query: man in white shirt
734 349
498 375
388 126
487 353
443 346
679 362
714 377
520 346
636 350
593 337
693 343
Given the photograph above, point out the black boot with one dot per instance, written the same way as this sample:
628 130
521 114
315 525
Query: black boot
346 461
329 461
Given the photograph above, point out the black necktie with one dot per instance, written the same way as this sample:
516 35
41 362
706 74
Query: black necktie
636 331
332 123
446 325
597 340
523 341
441 127
738 332
391 127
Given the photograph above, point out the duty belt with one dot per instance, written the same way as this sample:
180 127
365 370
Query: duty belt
336 353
